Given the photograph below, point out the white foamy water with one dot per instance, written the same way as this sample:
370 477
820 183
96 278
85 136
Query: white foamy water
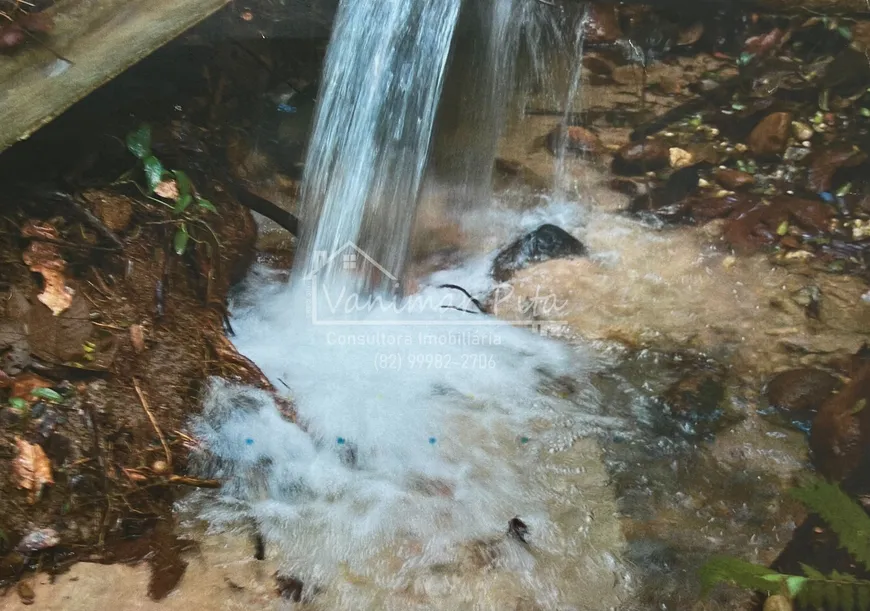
423 430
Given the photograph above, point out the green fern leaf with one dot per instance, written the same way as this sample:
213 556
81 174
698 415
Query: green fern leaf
724 569
846 518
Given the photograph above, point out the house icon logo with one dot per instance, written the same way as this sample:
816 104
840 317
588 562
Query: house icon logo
348 258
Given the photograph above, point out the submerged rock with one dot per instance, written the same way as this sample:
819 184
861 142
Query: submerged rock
799 393
575 139
697 404
544 243
841 430
734 179
640 157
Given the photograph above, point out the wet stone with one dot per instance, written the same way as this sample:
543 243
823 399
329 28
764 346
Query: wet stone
770 136
574 139
641 157
841 430
696 405
799 393
734 179
544 243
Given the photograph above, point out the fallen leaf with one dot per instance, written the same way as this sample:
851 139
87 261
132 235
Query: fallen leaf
167 189
32 468
24 385
45 259
35 229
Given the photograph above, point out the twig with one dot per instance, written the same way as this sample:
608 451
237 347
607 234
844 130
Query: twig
477 303
144 402
258 204
195 482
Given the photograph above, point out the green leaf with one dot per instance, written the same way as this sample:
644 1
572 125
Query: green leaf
723 569
745 58
153 171
139 141
811 572
865 112
182 203
180 240
18 403
782 229
845 32
846 518
47 394
185 187
844 190
207 205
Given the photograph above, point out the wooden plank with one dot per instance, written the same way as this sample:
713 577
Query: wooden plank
101 38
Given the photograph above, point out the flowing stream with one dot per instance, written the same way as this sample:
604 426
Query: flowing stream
441 459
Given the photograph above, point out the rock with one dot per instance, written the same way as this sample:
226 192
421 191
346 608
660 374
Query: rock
841 430
602 24
38 540
574 139
697 404
25 593
680 158
801 131
777 602
799 393
544 243
641 157
734 180
824 163
770 136
597 65
289 588
518 530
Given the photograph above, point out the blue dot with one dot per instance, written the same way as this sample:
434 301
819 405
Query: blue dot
432 441
340 441
524 440
249 441
827 196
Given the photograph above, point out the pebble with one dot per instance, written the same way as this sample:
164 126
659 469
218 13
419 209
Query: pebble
39 539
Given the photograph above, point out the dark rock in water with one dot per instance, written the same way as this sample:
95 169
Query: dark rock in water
641 157
518 529
770 136
799 393
697 404
734 179
841 430
290 588
668 201
544 243
824 163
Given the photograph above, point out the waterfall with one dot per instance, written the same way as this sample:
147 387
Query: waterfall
370 144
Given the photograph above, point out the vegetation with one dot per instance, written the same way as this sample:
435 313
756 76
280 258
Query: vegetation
849 522
173 185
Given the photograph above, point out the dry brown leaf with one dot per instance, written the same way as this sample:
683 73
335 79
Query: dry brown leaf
137 336
45 259
35 229
26 383
167 189
32 468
